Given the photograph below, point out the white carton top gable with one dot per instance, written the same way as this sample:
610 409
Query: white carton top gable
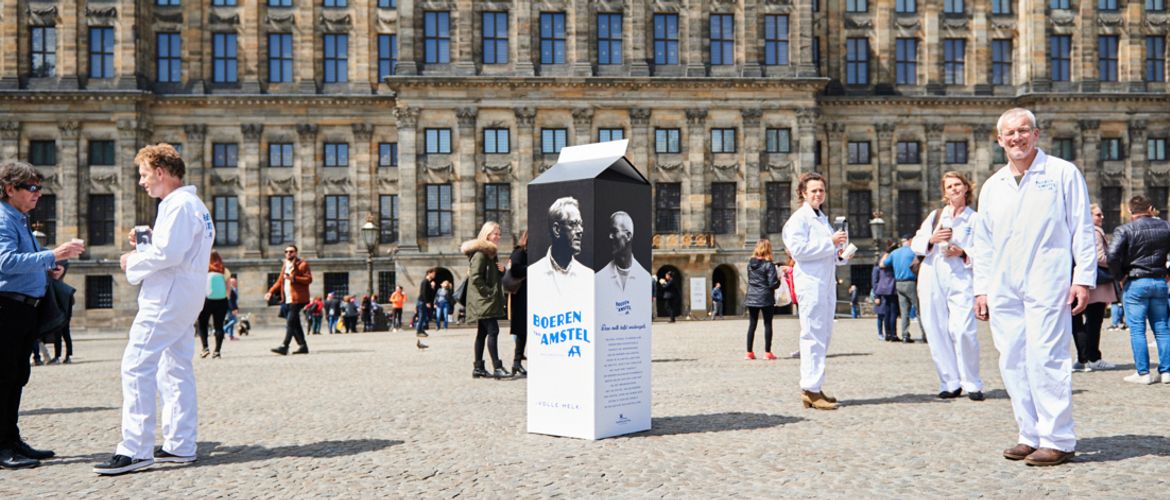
588 161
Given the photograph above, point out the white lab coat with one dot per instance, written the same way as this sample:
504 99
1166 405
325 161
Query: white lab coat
1027 240
173 275
947 301
809 240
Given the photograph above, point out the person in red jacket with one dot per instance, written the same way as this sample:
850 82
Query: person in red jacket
293 287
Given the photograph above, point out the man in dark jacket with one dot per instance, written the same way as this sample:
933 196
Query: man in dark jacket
1137 255
426 303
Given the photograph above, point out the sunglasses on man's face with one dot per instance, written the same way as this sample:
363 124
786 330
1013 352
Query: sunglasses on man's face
32 188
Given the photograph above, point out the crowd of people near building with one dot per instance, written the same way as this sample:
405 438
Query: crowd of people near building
1034 262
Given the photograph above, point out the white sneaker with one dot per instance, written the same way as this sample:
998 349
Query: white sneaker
1166 378
1082 367
794 354
1138 378
1101 364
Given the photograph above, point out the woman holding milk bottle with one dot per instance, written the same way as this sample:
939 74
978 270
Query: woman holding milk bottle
946 290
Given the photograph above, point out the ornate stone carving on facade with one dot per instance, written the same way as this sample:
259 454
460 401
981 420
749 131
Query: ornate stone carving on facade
696 116
1158 174
1157 22
362 132
807 117
252 131
338 182
336 24
1045 124
1110 20
1111 168
436 165
1137 131
101 13
984 132
779 6
307 131
226 180
640 117
283 185
855 22
466 117
935 129
912 175
669 167
42 15
129 129
781 168
53 180
503 169
834 128
544 166
407 117
278 22
665 6
69 130
223 19
385 23
751 116
885 129
858 176
907 22
582 117
10 130
525 117
103 183
387 182
169 17
1087 125
725 169
195 132
954 23
722 5
1062 17
1002 25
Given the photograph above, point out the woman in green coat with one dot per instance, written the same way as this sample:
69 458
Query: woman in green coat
485 297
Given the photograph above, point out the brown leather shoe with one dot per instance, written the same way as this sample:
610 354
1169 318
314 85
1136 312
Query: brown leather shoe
827 397
816 400
1049 456
1018 452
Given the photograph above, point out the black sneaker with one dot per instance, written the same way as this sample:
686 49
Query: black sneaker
23 448
302 350
281 350
164 456
121 464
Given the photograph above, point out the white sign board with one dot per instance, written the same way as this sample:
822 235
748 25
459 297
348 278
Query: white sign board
589 296
699 294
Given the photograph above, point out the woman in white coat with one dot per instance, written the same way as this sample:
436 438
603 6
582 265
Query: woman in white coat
946 289
810 240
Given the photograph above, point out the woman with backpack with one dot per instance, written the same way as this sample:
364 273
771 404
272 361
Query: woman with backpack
215 304
762 280
485 298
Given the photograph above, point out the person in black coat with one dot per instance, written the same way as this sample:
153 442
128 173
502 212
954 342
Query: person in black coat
762 281
426 303
519 325
669 294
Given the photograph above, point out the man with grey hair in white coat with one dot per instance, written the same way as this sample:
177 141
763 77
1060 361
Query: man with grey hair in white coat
172 270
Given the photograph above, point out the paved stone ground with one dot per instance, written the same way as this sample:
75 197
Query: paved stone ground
368 415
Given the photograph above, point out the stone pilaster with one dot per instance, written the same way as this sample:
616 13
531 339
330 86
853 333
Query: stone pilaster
582 126
806 122
1090 148
9 53
408 185
983 135
802 57
125 213
694 213
193 47
639 150
749 31
306 52
935 148
248 52
750 212
251 176
193 157
579 39
1136 159
635 52
364 168
887 147
9 139
308 170
466 201
125 56
979 49
834 171
522 54
930 48
463 41
526 164
691 38
72 178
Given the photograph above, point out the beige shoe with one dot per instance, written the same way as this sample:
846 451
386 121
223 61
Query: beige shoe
816 400
1138 378
1165 376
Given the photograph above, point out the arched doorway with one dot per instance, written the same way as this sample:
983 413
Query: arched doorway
660 306
443 274
728 279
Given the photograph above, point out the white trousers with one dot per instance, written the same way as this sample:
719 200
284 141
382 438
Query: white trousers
948 317
1036 364
816 328
158 359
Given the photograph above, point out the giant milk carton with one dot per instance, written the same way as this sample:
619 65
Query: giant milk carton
589 295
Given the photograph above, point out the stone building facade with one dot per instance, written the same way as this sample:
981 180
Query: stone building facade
299 119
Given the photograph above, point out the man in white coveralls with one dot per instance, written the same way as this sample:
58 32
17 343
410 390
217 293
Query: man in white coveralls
1033 226
173 273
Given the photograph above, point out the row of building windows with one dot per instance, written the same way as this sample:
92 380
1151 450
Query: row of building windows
382 4
998 7
436 46
496 141
954 65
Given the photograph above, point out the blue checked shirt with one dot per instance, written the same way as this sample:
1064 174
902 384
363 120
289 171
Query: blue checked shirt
23 265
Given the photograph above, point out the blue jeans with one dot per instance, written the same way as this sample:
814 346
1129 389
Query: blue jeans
333 323
229 324
854 311
423 316
1146 298
1116 315
443 321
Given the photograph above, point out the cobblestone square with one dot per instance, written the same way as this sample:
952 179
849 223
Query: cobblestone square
369 415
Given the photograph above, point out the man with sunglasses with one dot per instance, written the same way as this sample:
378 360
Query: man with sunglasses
24 269
172 272
293 288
